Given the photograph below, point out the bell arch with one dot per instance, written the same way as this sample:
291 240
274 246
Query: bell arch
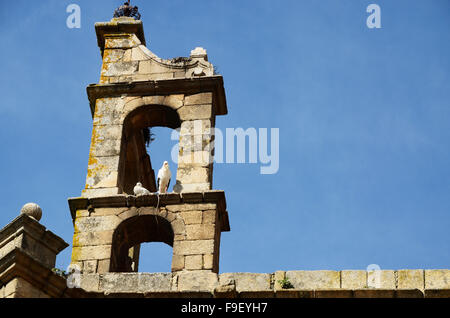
135 164
131 233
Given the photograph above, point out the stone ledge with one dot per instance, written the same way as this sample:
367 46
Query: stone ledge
135 282
241 285
166 285
437 293
314 279
247 282
119 26
294 293
163 87
167 199
437 279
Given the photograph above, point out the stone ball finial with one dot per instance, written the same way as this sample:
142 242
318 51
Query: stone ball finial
33 210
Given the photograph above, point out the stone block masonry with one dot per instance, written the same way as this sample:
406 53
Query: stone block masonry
306 284
190 222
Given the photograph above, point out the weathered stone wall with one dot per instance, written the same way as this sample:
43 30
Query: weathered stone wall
402 283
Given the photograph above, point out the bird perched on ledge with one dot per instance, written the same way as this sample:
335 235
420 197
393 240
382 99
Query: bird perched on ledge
140 190
164 176
127 10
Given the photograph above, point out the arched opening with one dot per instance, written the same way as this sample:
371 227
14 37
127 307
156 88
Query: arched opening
135 165
160 150
131 233
155 257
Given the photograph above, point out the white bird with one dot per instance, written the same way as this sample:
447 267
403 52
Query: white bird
140 190
164 177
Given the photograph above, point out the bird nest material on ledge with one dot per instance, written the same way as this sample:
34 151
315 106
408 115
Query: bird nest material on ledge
127 10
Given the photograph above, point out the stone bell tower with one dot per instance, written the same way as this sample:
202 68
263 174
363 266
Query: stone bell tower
137 90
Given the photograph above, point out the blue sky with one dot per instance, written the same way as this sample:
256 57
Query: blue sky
364 118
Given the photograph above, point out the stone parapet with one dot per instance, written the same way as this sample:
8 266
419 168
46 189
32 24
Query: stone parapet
306 284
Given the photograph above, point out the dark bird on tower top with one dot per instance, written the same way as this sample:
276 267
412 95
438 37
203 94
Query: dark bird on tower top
127 10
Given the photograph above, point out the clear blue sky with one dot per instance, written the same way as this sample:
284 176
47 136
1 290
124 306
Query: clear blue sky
364 118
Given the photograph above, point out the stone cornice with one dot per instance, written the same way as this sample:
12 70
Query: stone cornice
119 26
123 200
163 87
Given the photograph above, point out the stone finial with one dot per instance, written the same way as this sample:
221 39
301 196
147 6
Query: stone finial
199 52
33 210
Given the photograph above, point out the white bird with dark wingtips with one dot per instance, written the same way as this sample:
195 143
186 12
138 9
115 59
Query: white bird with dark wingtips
140 190
164 177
